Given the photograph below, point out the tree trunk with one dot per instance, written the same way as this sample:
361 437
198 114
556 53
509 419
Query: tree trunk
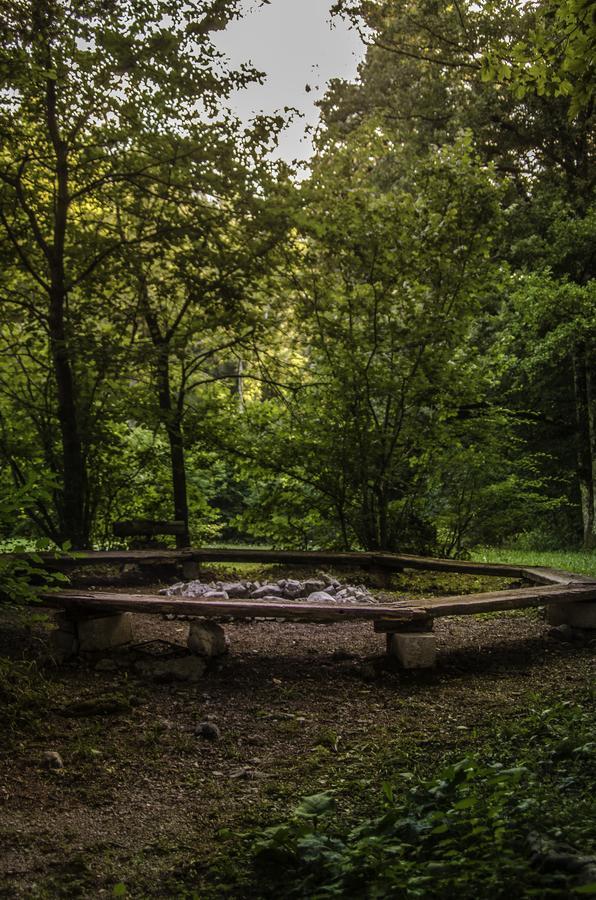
586 444
74 526
173 424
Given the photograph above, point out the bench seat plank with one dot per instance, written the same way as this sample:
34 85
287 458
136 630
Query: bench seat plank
384 616
100 601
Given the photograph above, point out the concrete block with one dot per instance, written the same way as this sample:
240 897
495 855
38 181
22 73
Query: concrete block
577 615
207 639
102 632
414 650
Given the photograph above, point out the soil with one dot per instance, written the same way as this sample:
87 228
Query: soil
301 708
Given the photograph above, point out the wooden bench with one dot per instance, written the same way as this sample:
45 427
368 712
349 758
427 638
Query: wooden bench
145 530
408 624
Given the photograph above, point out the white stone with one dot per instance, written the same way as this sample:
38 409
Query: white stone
320 597
214 595
577 614
207 639
195 589
414 650
268 590
174 590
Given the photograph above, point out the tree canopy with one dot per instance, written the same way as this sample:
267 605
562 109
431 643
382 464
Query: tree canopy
392 352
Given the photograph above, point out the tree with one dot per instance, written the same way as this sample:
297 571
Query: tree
95 95
556 57
390 268
520 77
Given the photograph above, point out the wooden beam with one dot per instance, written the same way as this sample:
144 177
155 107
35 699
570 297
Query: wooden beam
311 558
90 602
522 598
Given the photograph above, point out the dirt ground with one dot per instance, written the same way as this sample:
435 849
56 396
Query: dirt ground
301 708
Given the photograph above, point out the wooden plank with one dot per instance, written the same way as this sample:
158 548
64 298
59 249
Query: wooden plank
149 527
388 561
522 598
99 601
401 560
544 575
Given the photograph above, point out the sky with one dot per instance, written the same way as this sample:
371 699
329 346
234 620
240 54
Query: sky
294 42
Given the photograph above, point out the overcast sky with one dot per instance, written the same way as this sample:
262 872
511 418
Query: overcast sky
294 42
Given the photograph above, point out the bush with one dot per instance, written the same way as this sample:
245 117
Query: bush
481 828
22 575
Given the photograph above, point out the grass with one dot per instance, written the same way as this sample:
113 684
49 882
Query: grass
581 562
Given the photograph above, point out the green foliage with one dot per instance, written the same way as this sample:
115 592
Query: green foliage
24 695
22 576
472 830
556 57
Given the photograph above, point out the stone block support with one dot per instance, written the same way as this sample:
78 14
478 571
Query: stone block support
577 615
88 634
207 638
413 649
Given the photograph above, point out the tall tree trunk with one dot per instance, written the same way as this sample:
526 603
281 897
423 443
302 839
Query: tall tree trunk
173 425
74 524
73 517
586 443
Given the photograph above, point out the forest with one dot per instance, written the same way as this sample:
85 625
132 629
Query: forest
390 351
354 398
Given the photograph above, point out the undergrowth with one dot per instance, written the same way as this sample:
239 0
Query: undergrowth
515 818
24 696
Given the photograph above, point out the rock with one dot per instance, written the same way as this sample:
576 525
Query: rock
320 597
215 595
174 590
52 760
267 590
292 588
208 731
177 668
313 584
235 589
207 638
195 589
101 632
330 581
